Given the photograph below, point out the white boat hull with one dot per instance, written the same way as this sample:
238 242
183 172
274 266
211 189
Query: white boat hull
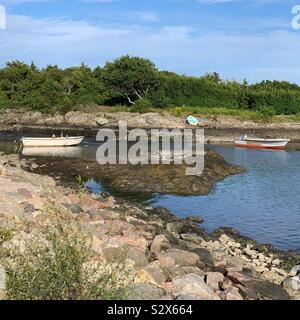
52 142
262 143
66 152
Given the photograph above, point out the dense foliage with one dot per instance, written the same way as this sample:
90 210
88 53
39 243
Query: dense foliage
136 81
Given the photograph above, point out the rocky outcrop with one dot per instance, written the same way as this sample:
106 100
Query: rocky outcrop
170 179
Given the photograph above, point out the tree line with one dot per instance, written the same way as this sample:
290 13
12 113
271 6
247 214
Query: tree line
136 82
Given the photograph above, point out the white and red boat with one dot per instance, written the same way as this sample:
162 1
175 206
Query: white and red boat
258 143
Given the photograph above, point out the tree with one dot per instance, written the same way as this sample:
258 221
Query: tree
132 78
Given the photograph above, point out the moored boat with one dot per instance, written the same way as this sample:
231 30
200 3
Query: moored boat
52 141
258 143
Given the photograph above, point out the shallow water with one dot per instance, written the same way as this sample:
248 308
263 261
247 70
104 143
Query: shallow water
262 203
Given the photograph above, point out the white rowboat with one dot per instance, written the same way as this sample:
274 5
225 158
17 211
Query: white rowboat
51 142
257 143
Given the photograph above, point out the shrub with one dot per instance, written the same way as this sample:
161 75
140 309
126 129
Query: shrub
55 263
142 105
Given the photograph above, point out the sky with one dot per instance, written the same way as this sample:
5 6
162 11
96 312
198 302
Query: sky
240 39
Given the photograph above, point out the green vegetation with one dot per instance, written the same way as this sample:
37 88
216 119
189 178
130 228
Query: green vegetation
55 262
136 83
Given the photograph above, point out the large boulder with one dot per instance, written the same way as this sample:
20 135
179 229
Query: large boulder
193 285
182 257
262 288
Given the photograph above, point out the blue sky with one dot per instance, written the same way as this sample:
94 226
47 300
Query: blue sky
240 39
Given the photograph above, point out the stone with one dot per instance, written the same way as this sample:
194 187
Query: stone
224 239
101 121
145 291
96 245
193 285
182 257
159 243
181 271
295 271
191 237
165 261
265 289
187 297
276 262
214 280
151 274
2 278
231 294
74 208
292 283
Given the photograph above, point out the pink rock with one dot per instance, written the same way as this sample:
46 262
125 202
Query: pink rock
214 279
165 261
231 294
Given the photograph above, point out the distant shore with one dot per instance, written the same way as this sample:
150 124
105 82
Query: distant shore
218 129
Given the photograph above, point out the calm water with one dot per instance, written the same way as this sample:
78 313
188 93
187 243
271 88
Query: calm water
263 203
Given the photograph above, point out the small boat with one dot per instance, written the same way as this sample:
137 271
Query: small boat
257 143
51 142
191 120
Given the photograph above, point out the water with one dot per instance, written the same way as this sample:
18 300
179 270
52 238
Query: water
262 203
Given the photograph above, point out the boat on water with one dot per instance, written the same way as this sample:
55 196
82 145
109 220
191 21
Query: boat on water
51 142
258 143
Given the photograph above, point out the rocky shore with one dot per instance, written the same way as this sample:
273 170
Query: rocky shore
218 128
169 258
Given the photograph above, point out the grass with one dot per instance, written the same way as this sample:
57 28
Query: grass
55 262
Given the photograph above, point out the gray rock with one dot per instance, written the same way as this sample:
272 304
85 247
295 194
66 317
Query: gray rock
263 288
92 213
101 121
145 292
295 271
193 285
2 279
186 297
74 208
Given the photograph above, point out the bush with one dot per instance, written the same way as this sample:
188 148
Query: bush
142 105
55 263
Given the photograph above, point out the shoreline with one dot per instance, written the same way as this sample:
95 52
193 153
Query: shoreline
218 129
224 264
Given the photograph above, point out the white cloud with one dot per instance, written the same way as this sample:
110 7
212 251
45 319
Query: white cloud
147 16
64 42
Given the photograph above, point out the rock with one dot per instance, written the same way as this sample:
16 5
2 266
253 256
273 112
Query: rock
2 278
231 294
193 285
292 283
182 257
121 254
181 271
159 243
276 262
191 237
145 291
265 289
184 297
214 280
195 219
295 271
101 121
74 208
151 274
28 208
224 239
92 213
96 245
165 261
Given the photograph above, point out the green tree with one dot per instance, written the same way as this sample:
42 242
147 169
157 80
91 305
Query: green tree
132 78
